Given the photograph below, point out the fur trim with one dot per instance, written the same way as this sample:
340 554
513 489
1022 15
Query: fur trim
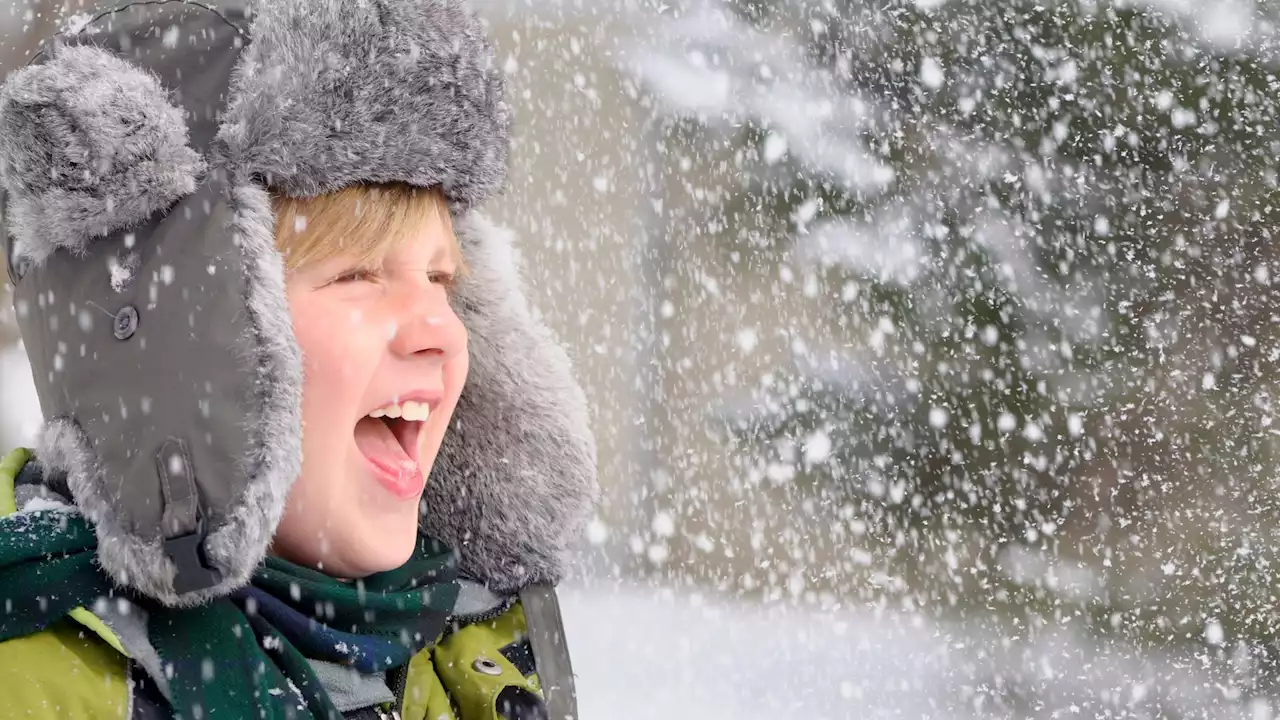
330 93
238 545
275 427
515 480
89 144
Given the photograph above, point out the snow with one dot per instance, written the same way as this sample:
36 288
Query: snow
821 127
932 74
888 249
77 22
123 271
20 417
597 531
1224 24
643 652
39 504
775 147
1213 633
664 525
817 447
984 293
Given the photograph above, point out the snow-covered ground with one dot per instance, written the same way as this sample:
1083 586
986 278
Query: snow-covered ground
642 652
645 653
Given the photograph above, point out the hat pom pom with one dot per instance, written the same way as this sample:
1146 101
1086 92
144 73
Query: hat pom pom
89 144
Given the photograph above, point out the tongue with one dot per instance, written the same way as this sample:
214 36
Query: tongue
377 442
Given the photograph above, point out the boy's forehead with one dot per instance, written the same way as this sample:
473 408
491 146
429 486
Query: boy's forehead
434 242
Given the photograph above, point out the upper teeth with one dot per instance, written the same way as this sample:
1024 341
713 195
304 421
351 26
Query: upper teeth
409 410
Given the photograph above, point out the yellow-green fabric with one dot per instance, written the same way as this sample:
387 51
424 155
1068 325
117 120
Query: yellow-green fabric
474 693
63 673
10 466
424 695
91 621
68 672
444 684
78 668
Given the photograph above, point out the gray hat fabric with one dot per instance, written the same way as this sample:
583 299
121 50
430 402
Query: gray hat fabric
137 152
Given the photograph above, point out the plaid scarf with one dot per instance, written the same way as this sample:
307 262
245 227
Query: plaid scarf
245 655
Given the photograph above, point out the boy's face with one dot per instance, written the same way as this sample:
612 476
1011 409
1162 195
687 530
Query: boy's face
375 344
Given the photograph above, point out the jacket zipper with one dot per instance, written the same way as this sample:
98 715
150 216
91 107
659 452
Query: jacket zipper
456 622
399 682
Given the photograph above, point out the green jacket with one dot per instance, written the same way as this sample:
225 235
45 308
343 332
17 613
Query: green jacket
81 667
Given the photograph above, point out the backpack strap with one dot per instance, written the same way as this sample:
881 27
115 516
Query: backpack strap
550 651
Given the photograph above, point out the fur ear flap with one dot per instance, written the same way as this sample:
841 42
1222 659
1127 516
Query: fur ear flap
89 144
514 483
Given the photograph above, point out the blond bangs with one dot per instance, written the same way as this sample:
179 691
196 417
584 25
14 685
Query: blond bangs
359 222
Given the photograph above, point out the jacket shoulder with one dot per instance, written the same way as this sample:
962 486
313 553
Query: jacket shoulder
65 671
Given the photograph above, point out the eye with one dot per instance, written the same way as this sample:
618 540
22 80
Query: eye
355 275
446 279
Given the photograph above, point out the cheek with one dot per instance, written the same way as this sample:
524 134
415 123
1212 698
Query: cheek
331 347
455 376
337 362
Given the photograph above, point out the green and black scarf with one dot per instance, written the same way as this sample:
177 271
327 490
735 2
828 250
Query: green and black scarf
245 655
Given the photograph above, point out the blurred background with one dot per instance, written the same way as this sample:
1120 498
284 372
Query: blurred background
932 347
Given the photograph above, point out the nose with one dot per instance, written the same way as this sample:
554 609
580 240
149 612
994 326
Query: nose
427 326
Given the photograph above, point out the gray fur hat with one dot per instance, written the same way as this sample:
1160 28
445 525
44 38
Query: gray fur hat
136 154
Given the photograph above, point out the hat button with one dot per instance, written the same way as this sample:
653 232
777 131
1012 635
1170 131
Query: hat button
126 322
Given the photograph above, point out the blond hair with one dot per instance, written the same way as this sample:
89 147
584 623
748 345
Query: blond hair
362 222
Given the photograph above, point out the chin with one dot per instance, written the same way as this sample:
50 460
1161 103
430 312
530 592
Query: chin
385 545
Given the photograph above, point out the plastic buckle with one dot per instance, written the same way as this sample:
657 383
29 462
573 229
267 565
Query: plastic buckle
187 553
8 263
7 239
11 264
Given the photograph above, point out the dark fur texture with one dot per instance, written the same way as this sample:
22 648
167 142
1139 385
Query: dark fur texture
331 93
89 144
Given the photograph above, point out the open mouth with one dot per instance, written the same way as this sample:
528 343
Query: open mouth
406 433
389 439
